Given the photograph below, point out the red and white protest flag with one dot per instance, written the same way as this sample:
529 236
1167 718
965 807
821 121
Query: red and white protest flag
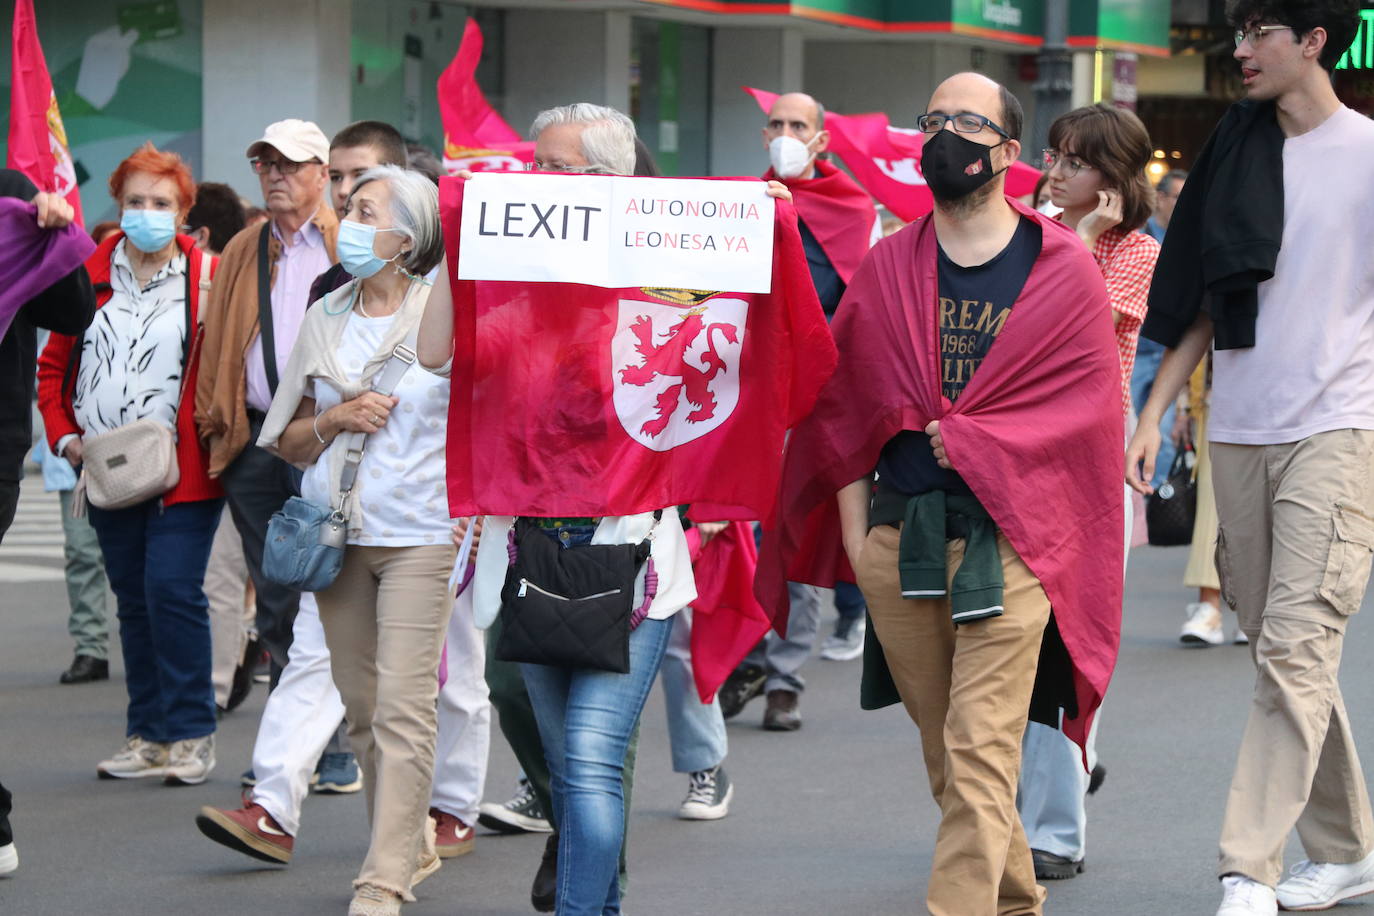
476 137
576 400
886 160
37 140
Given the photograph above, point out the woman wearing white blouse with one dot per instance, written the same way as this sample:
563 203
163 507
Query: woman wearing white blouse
385 615
133 363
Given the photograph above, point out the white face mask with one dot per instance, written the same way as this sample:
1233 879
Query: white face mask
790 156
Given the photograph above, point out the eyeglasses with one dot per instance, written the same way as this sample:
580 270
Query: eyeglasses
1072 164
564 169
1255 33
284 166
965 122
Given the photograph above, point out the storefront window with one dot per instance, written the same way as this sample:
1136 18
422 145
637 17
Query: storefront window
670 93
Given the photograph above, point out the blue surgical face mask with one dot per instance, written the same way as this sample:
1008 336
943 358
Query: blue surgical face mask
148 230
355 249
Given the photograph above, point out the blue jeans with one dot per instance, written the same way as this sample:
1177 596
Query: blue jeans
849 601
1148 356
155 559
585 720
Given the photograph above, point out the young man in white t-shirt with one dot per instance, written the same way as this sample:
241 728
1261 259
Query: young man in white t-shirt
1292 438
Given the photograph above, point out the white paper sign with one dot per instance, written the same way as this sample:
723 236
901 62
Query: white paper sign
617 232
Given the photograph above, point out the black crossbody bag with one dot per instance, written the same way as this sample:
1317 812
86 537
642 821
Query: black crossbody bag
572 607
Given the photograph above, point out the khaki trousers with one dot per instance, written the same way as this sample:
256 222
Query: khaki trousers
1293 550
231 614
968 691
384 620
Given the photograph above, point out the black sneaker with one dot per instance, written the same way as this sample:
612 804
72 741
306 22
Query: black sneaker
520 814
544 890
743 684
708 796
1050 867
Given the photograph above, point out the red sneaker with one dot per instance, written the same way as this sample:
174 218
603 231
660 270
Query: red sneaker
455 838
250 830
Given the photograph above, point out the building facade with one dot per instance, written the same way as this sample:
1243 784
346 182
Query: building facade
203 77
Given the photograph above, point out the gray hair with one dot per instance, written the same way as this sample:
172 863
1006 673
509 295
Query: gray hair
1171 180
414 211
608 138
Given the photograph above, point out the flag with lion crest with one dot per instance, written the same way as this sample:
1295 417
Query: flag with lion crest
574 400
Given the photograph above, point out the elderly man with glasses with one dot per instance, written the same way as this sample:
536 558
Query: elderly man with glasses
256 306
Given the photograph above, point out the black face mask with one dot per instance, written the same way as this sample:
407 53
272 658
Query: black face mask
955 167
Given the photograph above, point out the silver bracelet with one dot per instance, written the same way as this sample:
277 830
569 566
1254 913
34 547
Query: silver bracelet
315 425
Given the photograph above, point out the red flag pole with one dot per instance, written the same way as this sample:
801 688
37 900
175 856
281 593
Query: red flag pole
37 140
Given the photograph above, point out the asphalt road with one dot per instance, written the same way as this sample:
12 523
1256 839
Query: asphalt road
835 818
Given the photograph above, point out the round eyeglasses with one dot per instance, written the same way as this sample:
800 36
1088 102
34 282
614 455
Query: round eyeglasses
1072 164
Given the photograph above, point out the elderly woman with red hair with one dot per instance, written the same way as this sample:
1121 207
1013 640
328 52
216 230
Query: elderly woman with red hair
135 362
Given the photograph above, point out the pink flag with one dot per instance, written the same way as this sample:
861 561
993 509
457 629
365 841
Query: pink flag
475 136
37 140
886 160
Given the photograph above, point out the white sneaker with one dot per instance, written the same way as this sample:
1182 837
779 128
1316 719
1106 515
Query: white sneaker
191 761
1240 638
9 859
708 796
1243 897
847 642
1320 885
137 758
1203 626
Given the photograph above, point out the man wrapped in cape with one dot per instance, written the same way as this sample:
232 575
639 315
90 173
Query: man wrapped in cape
978 375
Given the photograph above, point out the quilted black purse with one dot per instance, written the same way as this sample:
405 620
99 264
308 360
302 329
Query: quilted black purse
1171 510
571 607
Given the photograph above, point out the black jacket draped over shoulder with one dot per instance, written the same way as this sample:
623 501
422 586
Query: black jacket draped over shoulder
1224 236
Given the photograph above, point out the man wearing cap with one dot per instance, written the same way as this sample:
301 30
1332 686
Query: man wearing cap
256 306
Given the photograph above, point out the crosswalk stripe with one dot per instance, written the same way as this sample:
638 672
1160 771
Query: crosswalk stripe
14 572
33 547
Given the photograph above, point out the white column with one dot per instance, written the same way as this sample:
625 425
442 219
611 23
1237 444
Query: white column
264 60
617 61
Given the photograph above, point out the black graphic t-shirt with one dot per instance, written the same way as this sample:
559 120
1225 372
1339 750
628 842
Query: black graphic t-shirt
975 303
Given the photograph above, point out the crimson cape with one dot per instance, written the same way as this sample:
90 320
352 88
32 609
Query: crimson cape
838 212
1037 434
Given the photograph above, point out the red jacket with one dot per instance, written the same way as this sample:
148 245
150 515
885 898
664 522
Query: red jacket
55 388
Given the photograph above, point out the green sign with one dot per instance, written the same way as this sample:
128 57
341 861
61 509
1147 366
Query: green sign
1016 21
1121 25
996 18
1360 54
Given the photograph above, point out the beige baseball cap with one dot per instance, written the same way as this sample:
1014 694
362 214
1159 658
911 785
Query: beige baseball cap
297 140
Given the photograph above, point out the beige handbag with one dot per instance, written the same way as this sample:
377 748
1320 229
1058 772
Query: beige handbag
129 465
137 461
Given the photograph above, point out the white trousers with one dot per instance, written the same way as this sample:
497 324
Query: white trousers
305 710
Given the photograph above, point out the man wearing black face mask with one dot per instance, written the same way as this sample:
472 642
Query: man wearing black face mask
978 376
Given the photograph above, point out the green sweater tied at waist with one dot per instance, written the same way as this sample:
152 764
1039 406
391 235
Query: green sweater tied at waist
931 520
934 518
